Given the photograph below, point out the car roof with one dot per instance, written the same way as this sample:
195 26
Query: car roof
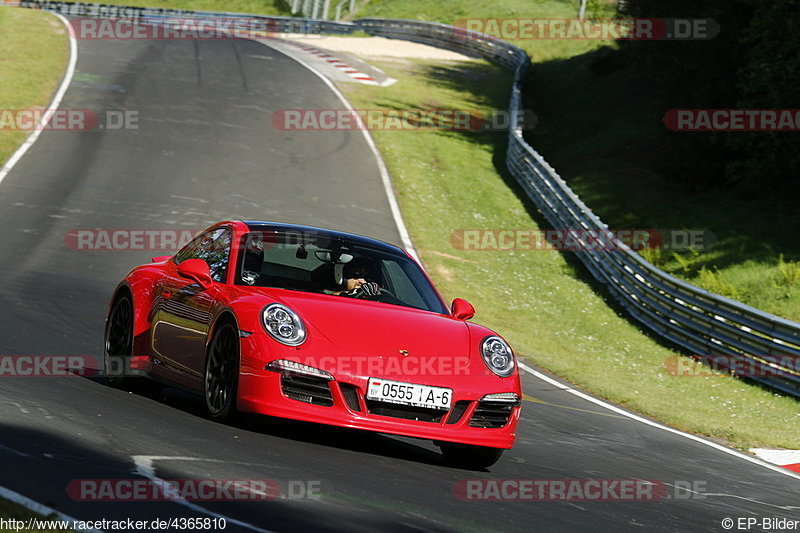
260 225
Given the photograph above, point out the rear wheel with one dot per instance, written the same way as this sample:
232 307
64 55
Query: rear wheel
222 373
470 457
118 345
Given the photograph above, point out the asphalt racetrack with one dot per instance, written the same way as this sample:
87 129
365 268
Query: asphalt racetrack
205 151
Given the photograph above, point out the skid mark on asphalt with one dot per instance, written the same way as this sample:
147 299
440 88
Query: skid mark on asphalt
704 495
542 402
22 409
12 450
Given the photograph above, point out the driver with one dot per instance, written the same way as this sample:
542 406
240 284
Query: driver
357 274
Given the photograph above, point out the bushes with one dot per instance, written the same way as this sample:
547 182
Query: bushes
752 63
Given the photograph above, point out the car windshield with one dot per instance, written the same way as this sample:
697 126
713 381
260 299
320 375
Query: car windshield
323 264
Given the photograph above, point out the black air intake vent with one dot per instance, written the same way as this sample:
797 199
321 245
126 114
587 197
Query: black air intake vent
306 389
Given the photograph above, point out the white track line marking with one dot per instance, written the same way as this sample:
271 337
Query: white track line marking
145 468
9 494
54 103
385 178
614 408
41 509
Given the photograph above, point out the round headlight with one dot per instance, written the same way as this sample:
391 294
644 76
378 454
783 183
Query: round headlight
283 325
497 355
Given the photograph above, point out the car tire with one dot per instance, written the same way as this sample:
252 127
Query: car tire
118 341
470 457
221 376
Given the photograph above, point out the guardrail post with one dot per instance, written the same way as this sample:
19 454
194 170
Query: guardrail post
582 10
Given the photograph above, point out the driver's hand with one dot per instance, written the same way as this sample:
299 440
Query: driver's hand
353 283
371 288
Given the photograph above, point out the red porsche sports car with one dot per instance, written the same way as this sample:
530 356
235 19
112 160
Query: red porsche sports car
316 325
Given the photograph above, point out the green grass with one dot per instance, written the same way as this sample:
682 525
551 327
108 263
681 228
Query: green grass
13 511
35 51
605 141
257 7
542 301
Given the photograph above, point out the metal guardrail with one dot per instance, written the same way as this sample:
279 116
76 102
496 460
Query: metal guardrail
701 322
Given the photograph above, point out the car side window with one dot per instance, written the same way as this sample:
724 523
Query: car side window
213 247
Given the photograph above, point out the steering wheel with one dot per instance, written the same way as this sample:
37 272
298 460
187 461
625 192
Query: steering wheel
361 295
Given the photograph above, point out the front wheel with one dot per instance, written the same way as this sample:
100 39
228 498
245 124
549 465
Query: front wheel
118 342
222 373
470 457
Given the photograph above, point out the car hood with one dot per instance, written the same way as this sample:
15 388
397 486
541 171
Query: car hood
371 328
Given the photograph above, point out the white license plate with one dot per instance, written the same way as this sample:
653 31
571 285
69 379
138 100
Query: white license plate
409 394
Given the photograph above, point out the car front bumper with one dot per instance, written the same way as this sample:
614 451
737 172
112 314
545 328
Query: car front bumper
266 392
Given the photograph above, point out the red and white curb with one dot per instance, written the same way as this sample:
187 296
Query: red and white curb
788 459
334 61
